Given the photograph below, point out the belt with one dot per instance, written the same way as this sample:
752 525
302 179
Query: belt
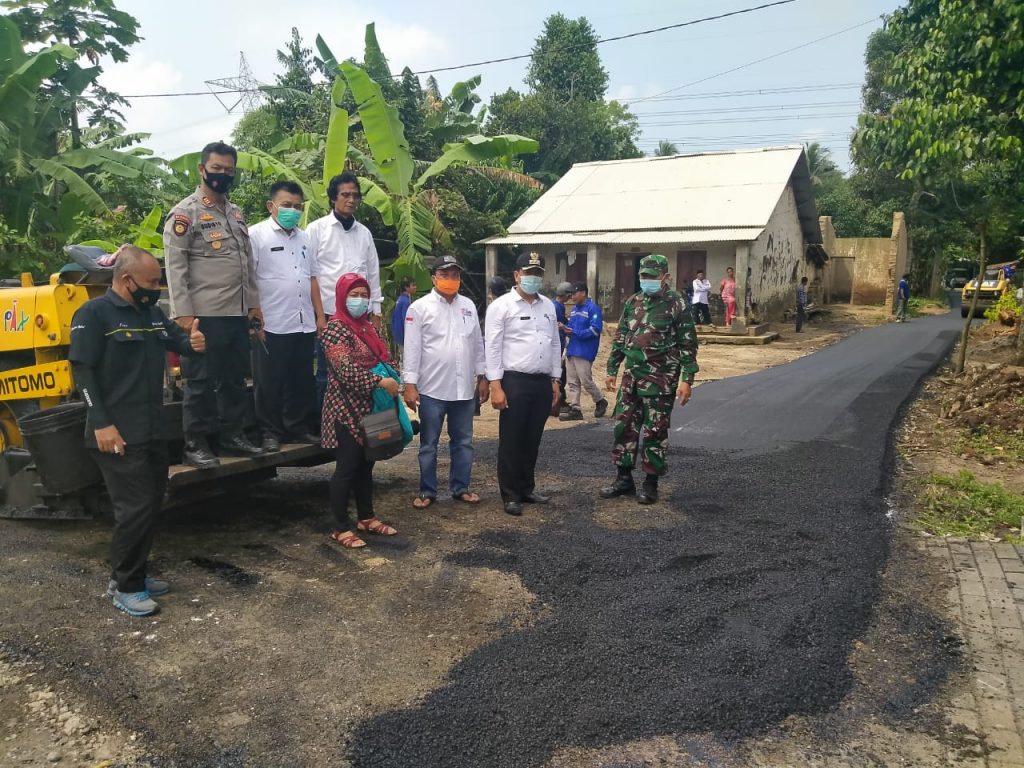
528 375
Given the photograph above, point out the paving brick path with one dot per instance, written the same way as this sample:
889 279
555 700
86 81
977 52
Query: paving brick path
988 596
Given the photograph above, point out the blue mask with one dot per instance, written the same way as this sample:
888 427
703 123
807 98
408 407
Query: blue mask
531 283
288 218
357 306
650 287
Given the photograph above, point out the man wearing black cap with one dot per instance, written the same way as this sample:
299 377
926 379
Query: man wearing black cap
443 373
523 368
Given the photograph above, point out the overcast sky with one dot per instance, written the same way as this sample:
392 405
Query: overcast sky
190 42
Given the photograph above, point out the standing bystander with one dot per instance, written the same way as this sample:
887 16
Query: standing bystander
902 297
286 274
522 354
727 287
584 338
701 289
656 344
443 372
407 286
801 304
117 354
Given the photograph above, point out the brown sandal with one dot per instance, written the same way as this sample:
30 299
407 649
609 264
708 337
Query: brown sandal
423 500
348 539
468 497
376 527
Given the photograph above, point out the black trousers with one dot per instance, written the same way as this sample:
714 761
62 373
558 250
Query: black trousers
215 397
702 314
285 388
136 482
353 477
520 429
801 315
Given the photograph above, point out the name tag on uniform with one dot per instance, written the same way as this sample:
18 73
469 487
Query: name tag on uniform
277 248
525 317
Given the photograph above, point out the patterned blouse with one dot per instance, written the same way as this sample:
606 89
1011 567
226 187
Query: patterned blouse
350 384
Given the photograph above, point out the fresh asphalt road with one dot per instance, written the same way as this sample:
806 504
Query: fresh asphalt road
729 607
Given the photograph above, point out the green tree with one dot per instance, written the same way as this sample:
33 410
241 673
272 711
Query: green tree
564 108
957 113
45 184
565 63
93 29
666 149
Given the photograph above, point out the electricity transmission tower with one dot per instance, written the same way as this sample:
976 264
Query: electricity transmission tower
245 88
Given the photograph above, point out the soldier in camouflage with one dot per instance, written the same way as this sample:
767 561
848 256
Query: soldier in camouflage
657 345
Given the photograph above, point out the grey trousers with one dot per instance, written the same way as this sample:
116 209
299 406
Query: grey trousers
579 375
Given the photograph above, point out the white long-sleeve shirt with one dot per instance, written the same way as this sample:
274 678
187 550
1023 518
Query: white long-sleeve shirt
444 349
700 291
338 252
523 337
285 268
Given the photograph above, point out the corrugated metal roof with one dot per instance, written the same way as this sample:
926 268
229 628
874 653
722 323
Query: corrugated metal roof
687 236
709 191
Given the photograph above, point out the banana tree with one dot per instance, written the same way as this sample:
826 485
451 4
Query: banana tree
390 186
43 188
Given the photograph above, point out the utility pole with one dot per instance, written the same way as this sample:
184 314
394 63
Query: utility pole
961 358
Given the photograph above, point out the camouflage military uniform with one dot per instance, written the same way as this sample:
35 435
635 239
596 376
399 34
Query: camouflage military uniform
657 344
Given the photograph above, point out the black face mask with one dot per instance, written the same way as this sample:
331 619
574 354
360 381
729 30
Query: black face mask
219 182
346 221
145 297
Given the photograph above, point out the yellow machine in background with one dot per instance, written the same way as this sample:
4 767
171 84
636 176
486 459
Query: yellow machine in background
56 477
34 338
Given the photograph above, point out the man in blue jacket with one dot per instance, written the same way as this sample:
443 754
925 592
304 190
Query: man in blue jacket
583 333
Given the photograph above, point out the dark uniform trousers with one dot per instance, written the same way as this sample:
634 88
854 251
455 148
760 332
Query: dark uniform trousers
136 482
520 429
215 396
285 394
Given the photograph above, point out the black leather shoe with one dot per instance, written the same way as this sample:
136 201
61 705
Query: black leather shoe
648 491
535 498
307 439
513 508
271 444
623 486
198 454
238 446
600 409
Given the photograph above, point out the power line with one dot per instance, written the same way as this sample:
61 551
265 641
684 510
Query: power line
691 23
770 119
758 108
613 39
756 61
751 92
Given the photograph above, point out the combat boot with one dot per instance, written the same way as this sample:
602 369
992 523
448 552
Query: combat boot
623 485
198 453
649 490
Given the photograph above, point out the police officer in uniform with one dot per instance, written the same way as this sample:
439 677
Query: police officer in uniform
656 344
524 368
210 275
118 350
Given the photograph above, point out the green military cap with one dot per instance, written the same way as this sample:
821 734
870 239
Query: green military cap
655 265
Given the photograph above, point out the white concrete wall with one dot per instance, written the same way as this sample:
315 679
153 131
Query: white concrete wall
777 260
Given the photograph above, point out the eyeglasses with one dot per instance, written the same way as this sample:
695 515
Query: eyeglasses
350 195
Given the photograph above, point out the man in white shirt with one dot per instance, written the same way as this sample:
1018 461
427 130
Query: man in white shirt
701 310
443 370
340 245
524 367
286 273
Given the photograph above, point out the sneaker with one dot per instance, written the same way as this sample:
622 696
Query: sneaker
601 408
155 587
573 414
134 603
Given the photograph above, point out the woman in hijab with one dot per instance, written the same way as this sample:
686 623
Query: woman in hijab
352 348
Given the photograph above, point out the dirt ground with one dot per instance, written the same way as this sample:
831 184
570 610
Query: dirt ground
274 644
990 393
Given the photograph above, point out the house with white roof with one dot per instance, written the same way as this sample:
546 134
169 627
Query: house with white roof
746 209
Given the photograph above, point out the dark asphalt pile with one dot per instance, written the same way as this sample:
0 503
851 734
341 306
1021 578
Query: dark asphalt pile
742 613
